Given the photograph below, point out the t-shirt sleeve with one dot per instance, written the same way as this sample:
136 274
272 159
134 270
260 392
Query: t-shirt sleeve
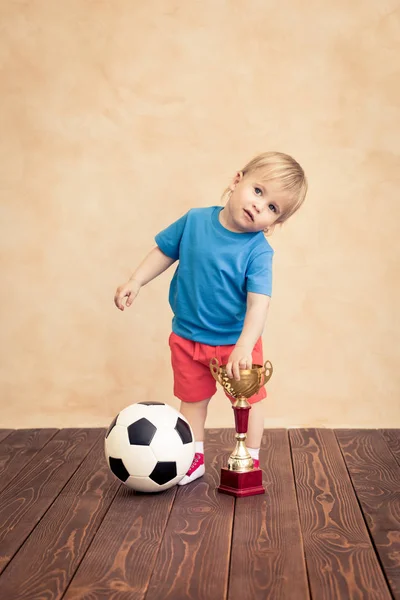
259 273
169 239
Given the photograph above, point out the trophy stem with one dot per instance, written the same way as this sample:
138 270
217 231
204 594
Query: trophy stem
241 408
240 459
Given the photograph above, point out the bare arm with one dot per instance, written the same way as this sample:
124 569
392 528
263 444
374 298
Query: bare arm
155 263
254 322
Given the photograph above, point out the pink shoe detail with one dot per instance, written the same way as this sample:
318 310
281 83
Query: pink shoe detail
256 463
195 471
197 462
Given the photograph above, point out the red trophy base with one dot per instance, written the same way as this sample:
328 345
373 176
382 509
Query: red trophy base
241 483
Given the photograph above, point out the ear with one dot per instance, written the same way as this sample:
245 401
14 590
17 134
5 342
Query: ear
238 177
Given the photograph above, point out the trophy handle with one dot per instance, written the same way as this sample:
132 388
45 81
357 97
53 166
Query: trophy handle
224 381
267 372
214 368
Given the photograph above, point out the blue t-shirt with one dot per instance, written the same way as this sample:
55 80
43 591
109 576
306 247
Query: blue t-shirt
216 269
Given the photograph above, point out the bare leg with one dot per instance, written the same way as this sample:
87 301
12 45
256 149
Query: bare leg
196 413
256 425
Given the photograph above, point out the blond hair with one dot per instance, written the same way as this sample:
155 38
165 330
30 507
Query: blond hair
286 171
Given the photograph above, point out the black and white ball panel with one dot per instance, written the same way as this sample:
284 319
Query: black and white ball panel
140 463
118 468
157 414
184 431
141 432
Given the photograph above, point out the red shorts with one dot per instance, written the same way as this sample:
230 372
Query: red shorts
193 381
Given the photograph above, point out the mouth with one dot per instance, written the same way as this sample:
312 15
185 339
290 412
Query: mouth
249 214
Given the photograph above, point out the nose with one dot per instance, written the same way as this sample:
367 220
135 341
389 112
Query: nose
256 208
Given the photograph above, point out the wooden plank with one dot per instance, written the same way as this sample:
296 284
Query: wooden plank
340 558
28 496
376 479
4 433
122 555
267 547
18 449
193 561
48 559
392 439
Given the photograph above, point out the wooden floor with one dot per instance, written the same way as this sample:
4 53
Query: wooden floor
327 528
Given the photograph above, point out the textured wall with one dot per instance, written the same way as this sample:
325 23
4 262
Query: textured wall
117 117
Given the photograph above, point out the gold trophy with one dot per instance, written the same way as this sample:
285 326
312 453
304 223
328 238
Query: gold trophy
241 478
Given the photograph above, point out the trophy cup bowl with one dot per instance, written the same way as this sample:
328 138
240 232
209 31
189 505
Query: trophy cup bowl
241 478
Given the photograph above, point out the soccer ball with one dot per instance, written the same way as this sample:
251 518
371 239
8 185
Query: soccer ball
149 446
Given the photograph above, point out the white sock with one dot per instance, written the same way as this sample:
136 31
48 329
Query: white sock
199 447
254 452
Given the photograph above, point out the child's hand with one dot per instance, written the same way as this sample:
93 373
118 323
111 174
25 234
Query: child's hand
239 359
128 290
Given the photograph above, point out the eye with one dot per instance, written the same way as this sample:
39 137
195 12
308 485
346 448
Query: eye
272 207
258 191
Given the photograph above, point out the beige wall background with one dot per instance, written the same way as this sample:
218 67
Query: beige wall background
117 117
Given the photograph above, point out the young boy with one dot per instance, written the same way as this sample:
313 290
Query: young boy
221 288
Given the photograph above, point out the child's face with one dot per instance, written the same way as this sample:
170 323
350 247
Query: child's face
254 205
